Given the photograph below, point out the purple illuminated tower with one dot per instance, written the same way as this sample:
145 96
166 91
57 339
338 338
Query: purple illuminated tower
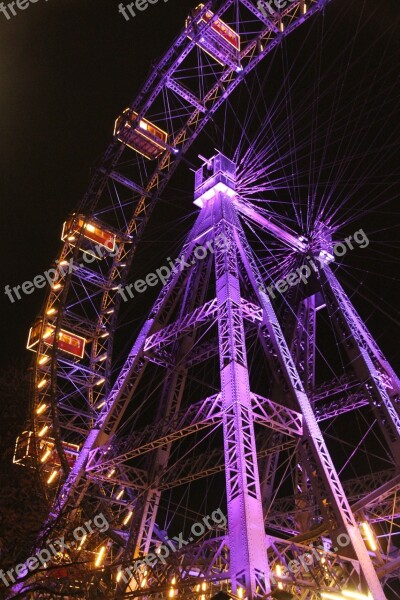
220 288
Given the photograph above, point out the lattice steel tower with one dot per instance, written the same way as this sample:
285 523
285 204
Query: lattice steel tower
213 303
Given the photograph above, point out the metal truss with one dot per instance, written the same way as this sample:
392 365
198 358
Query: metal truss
210 463
371 493
195 418
181 98
353 332
107 476
198 416
326 483
208 561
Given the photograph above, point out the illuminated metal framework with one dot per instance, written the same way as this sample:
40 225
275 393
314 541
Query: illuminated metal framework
161 124
125 475
249 559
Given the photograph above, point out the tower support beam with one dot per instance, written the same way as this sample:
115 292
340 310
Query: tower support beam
362 354
247 543
326 483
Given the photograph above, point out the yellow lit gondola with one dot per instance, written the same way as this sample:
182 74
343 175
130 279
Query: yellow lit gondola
67 342
91 231
140 135
220 41
25 451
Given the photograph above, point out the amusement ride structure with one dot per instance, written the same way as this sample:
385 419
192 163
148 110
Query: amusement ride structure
220 404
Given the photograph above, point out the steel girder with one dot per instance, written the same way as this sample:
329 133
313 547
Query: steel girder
372 493
207 413
242 477
211 463
109 299
125 189
353 334
326 482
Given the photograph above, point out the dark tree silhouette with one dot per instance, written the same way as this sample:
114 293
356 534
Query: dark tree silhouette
22 507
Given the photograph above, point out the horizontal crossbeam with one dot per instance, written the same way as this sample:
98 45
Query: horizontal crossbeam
196 417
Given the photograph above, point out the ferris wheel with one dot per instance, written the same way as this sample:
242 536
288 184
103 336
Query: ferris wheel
136 446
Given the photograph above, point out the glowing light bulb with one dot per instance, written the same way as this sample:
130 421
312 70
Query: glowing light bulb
100 555
52 476
43 431
354 595
369 535
279 574
41 409
45 456
128 517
